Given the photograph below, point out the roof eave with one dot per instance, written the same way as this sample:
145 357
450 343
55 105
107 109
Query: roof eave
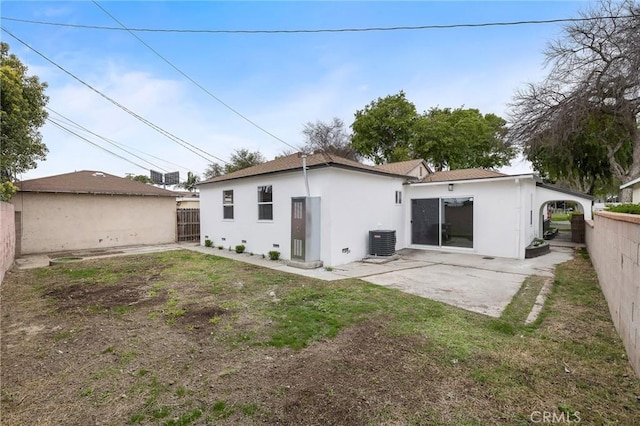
476 180
315 166
52 191
630 183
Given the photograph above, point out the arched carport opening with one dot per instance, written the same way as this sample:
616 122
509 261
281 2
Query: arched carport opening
556 214
547 195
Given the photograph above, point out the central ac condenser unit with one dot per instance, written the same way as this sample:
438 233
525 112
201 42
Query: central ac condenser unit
382 243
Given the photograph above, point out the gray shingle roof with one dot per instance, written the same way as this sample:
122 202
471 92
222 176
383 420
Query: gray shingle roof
294 162
462 174
401 167
91 182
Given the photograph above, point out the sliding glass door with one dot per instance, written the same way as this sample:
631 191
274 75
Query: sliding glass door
425 216
442 222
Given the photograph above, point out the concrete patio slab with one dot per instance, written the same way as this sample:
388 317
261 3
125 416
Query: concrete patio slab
478 290
476 283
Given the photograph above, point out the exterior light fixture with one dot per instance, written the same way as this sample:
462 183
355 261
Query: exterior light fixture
450 187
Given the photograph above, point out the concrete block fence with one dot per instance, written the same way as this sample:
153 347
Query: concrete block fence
613 241
7 237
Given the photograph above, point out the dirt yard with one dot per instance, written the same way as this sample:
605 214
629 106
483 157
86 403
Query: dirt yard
183 338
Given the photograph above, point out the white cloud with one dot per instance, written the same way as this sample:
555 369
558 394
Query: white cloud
164 102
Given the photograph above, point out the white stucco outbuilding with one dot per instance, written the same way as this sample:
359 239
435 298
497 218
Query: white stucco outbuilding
267 207
91 210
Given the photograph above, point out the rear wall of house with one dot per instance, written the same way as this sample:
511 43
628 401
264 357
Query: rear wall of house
355 203
352 203
258 236
62 222
503 216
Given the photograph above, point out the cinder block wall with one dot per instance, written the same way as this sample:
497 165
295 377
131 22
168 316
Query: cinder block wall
7 237
613 241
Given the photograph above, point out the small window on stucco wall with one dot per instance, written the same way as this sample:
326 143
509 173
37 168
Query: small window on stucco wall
227 204
265 202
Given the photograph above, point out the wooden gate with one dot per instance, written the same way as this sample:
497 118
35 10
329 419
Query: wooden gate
188 224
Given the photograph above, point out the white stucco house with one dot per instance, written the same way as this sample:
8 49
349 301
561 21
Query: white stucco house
327 215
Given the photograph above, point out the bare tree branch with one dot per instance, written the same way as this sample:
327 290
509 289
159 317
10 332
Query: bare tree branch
592 93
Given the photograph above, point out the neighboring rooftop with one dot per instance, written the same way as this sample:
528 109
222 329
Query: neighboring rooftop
187 194
91 182
403 167
462 174
294 162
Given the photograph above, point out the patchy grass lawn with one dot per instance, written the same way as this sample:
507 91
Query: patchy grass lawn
182 338
559 217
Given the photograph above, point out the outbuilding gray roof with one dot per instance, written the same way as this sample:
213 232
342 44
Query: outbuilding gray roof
91 182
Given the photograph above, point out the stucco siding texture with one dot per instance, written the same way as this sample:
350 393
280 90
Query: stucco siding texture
613 241
7 238
354 204
60 222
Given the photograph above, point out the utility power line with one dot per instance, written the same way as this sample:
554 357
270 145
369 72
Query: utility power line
160 130
66 129
78 126
230 108
325 30
122 146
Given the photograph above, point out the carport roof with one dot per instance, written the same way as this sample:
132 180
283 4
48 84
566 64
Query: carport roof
91 182
564 190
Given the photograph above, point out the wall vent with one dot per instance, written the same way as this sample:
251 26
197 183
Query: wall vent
382 243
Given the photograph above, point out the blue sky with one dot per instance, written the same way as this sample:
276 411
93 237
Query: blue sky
279 81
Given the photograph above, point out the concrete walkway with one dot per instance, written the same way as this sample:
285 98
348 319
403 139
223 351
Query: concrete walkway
477 283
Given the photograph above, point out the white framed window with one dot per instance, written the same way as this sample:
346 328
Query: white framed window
227 204
398 197
265 202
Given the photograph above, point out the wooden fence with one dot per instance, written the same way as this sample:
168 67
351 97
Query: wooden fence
188 224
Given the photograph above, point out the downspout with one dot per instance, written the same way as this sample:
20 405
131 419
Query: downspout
304 171
518 218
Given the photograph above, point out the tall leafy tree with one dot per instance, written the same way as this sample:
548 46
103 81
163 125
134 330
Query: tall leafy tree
139 178
383 130
329 137
585 114
213 170
243 158
23 102
461 138
240 159
390 129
